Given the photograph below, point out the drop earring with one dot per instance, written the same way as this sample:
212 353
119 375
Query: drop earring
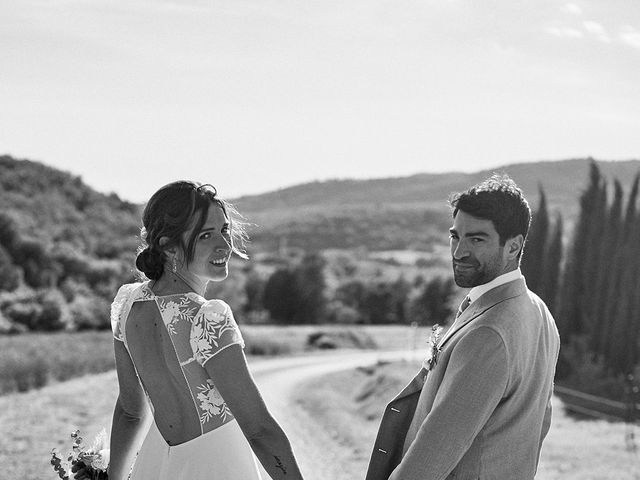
174 267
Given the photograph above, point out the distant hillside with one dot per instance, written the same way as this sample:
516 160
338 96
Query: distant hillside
379 214
53 206
404 212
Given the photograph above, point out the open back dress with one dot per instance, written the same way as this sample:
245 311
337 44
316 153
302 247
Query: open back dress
170 338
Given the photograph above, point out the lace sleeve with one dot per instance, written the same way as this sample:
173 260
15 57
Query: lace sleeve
116 311
213 330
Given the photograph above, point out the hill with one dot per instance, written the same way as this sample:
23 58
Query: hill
56 207
404 212
378 214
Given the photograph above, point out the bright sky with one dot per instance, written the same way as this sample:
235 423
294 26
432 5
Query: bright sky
254 95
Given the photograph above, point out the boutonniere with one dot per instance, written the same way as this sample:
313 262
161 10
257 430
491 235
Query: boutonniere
434 348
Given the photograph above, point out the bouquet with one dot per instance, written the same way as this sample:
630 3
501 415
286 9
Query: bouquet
94 460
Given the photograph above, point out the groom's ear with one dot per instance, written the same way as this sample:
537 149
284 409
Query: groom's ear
514 246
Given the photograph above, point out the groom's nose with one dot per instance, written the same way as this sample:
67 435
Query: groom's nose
460 250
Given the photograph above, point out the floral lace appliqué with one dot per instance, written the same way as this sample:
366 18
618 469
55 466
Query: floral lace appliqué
173 312
209 326
211 403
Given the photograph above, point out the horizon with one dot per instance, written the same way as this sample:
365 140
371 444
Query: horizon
133 95
494 169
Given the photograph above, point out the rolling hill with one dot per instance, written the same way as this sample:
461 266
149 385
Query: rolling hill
378 214
405 212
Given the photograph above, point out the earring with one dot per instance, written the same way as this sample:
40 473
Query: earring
174 267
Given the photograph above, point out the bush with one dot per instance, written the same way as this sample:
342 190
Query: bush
90 312
340 339
55 312
9 273
45 310
579 369
7 327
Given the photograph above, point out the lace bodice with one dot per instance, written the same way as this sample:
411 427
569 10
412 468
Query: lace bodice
198 329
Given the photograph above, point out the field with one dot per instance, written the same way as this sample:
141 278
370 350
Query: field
34 360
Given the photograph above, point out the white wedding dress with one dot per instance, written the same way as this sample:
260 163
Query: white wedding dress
200 437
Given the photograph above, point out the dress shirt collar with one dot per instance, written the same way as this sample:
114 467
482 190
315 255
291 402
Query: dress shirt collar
477 292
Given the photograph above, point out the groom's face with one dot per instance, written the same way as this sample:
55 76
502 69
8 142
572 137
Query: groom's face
476 252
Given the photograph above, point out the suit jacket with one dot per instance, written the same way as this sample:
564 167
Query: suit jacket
484 409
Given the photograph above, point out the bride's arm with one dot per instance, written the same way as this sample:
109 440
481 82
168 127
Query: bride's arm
229 372
130 416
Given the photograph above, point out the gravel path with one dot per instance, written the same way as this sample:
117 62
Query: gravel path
32 423
319 451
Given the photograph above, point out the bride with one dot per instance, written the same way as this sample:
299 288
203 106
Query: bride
183 355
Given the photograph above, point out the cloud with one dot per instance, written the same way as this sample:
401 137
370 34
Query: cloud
596 30
572 8
630 36
565 32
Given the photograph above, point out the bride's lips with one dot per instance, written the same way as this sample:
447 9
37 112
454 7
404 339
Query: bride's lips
219 262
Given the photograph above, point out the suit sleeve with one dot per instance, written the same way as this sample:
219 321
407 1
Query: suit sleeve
474 383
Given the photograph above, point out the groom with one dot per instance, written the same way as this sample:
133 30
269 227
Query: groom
480 407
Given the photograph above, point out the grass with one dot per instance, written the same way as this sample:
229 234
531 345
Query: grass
352 402
33 360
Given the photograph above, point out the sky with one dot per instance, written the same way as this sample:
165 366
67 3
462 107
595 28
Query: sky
256 95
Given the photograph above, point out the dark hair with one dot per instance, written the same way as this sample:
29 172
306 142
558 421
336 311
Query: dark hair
170 212
500 200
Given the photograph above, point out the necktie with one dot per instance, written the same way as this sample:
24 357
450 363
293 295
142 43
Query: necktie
463 306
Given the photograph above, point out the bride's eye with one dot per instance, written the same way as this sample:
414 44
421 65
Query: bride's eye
205 236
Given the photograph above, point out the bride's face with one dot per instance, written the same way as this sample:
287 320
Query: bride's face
212 247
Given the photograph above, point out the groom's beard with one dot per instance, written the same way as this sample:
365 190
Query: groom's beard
469 273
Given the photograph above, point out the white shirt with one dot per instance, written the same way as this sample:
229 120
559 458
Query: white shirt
476 292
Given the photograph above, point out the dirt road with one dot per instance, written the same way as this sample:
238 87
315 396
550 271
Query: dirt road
319 451
32 423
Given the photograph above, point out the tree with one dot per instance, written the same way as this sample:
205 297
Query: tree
254 286
432 305
552 262
278 293
310 303
9 273
607 279
297 294
582 261
536 246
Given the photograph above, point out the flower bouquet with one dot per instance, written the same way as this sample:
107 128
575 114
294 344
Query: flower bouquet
93 460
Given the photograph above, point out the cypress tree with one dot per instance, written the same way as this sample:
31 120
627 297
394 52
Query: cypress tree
536 246
628 314
552 261
573 300
607 280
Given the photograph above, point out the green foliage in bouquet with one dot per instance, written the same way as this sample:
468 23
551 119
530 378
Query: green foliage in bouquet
93 461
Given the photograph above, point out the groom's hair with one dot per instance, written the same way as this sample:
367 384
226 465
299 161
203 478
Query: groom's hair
500 200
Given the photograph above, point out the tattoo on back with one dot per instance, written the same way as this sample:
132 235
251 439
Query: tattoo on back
280 465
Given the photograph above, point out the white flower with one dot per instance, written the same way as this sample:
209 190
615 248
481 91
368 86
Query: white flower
170 311
214 312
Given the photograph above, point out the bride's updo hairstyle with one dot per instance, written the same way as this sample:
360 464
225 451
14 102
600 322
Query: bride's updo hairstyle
171 212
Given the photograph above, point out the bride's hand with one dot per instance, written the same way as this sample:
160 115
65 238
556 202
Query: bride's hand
81 472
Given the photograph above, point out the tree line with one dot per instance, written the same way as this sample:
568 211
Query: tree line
593 290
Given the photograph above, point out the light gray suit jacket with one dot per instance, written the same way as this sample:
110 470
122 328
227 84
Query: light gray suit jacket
484 409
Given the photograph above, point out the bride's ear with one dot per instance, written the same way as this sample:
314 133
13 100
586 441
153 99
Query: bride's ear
163 242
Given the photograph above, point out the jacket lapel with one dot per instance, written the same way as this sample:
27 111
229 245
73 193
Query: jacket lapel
414 386
485 302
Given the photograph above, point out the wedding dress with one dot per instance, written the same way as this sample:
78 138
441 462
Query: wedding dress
194 435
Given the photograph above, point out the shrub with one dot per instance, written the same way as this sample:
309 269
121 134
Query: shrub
90 312
9 273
